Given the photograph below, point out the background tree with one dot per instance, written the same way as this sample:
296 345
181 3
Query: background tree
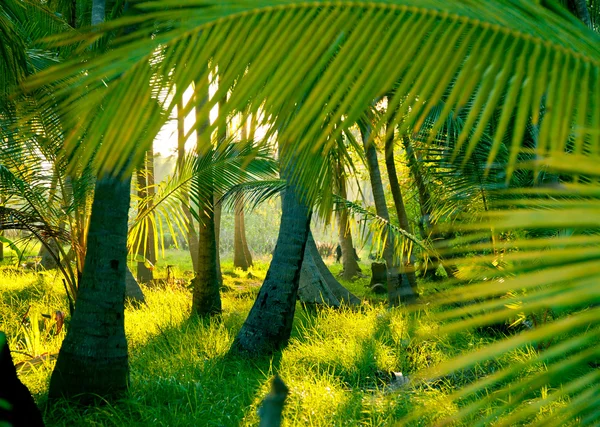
492 61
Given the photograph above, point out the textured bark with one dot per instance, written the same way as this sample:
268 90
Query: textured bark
221 138
206 295
340 292
146 250
241 254
408 266
350 265
133 292
580 10
48 262
98 11
269 324
92 361
312 288
218 209
192 236
397 287
23 411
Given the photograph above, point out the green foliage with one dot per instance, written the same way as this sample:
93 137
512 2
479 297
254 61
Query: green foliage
336 366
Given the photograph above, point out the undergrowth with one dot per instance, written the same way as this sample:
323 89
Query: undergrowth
337 364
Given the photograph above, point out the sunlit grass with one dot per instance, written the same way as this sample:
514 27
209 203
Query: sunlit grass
336 365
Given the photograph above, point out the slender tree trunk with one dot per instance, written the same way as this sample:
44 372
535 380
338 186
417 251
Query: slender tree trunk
48 261
580 10
221 138
350 265
146 250
397 287
424 206
269 324
92 361
192 236
1 233
206 287
241 254
218 209
407 258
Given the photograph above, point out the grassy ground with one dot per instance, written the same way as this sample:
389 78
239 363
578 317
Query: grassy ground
336 364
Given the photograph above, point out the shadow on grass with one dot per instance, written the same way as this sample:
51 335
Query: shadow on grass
182 376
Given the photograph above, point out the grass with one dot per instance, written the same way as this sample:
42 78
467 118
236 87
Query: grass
336 365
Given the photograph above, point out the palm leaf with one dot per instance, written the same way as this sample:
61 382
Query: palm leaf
313 69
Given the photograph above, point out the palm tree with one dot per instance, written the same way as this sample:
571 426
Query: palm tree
147 252
397 285
350 265
407 255
93 358
266 330
319 66
242 258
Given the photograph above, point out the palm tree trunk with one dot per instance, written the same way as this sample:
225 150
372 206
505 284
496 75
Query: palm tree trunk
241 254
192 236
218 208
93 360
221 137
146 250
93 357
206 295
312 256
424 205
408 258
580 9
395 283
269 324
351 268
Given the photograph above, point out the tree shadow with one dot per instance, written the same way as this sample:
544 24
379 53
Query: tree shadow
181 376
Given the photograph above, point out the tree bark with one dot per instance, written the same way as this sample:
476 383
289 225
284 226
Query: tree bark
206 295
241 254
192 236
221 138
93 360
147 249
398 289
580 10
269 324
218 209
408 266
350 265
313 258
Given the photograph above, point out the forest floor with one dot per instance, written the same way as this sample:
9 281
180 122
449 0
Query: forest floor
337 364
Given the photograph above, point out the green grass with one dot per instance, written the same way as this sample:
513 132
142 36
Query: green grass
336 365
